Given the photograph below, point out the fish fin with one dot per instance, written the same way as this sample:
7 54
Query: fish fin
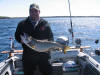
66 48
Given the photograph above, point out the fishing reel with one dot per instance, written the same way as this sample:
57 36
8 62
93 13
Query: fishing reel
78 43
97 51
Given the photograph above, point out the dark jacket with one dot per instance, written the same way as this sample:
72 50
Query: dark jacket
42 31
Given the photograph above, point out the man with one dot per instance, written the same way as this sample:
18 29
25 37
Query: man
39 29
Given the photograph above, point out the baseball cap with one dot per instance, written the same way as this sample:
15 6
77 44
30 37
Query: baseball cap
35 6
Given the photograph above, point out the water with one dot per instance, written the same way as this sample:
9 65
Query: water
85 28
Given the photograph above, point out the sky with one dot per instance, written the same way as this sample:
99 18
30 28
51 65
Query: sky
20 8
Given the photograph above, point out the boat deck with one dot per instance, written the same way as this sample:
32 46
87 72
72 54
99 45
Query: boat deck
57 67
62 64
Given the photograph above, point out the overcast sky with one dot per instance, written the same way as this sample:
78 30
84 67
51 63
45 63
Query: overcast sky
20 8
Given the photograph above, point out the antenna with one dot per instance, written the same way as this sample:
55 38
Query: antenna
12 47
71 30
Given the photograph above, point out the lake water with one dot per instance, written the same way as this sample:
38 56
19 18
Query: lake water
85 28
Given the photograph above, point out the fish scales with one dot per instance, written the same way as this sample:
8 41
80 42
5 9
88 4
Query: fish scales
40 45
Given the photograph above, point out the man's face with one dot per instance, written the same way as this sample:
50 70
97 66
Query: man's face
34 14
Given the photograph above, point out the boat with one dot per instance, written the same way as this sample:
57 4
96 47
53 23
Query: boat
73 62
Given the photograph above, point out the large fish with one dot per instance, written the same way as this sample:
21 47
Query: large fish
41 45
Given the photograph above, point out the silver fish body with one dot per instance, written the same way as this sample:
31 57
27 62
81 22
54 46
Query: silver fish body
40 45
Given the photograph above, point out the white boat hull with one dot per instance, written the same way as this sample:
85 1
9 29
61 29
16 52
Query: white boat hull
85 64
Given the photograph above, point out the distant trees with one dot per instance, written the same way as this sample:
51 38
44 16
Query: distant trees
4 17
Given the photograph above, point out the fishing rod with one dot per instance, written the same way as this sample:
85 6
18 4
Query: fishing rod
71 30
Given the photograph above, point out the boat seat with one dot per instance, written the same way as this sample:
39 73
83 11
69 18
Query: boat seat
18 63
18 67
18 71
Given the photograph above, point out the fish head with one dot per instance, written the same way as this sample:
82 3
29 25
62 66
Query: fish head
26 38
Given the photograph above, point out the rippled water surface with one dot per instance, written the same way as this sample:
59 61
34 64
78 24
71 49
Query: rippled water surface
85 28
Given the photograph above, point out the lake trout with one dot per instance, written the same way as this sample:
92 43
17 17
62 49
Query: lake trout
41 45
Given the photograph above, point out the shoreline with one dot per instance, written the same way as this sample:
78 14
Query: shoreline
3 17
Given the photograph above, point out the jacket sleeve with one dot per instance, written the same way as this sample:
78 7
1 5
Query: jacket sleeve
49 32
18 32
